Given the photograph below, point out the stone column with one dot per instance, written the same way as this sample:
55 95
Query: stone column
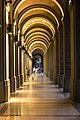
77 28
22 66
11 61
74 10
60 43
25 60
11 52
46 63
16 64
73 57
47 66
25 67
17 57
19 65
66 52
20 61
55 59
30 66
57 56
4 55
50 62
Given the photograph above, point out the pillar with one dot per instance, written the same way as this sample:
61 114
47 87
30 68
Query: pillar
16 64
57 56
46 63
26 69
55 62
66 52
11 68
17 57
4 55
11 53
22 62
74 10
60 53
50 61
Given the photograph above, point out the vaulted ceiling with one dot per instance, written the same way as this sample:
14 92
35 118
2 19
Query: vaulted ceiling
37 21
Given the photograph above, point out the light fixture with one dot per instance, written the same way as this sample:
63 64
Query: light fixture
16 39
9 28
23 48
8 1
19 43
69 2
26 52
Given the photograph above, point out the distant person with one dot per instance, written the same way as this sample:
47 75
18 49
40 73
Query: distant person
34 70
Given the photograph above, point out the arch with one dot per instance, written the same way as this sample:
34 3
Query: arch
37 42
36 45
37 21
37 48
39 51
38 38
38 15
37 34
38 7
34 40
58 3
38 26
37 30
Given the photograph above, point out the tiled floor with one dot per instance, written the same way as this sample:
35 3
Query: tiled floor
39 99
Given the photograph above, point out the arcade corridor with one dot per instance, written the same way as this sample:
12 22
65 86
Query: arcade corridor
39 99
40 59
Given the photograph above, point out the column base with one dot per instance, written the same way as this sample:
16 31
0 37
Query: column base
66 84
55 79
72 89
17 82
2 95
50 75
77 96
26 77
13 84
75 90
19 78
22 79
4 90
7 89
60 81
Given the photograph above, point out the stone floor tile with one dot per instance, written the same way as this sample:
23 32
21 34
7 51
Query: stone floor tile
39 100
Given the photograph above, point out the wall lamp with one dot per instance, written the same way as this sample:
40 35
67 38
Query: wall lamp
16 39
8 1
9 28
23 48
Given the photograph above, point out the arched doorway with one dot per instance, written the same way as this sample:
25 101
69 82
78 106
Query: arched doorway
37 61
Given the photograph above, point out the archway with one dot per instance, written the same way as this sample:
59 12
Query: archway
37 61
